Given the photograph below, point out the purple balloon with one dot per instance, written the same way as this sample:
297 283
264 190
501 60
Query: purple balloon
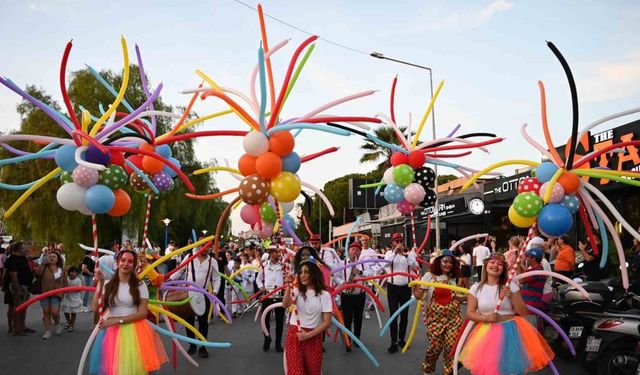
93 155
162 181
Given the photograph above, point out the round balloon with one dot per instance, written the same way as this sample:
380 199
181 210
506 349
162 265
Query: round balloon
570 182
426 177
557 193
138 183
117 158
403 175
416 159
162 181
555 220
265 232
405 207
393 193
388 175
545 171
99 199
247 164
122 203
249 214
520 221
571 202
527 204
281 143
429 198
66 177
70 196
166 169
254 189
414 193
398 158
291 222
255 143
287 206
530 184
286 187
267 213
151 165
291 162
114 177
168 188
84 176
65 157
268 165
94 155
164 151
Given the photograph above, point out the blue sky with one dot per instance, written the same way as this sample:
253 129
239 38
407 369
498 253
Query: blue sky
490 54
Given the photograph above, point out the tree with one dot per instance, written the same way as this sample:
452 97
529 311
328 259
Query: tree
375 152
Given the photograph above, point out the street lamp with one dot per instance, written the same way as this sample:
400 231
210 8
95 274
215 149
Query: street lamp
381 56
204 231
166 222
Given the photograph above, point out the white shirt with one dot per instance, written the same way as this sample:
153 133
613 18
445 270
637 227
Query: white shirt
271 275
536 241
343 276
371 268
169 250
202 268
466 258
329 256
488 298
310 310
400 263
481 252
547 284
123 302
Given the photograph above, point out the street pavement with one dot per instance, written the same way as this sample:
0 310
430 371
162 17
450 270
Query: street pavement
61 354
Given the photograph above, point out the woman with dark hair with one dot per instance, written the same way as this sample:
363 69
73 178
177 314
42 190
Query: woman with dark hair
465 266
52 276
502 342
305 252
126 343
443 318
310 319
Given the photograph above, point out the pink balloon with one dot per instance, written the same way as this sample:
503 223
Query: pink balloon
266 232
414 193
405 207
84 176
556 194
249 214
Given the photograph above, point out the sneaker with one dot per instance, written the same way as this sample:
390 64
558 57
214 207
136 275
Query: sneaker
203 353
66 325
192 350
266 344
58 329
393 348
47 335
367 315
279 349
69 329
401 344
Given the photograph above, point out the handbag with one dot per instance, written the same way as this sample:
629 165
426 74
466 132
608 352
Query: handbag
36 286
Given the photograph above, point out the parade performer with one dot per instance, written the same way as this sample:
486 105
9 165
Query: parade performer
126 343
203 271
352 299
443 318
370 268
153 279
270 277
398 292
303 348
327 254
502 342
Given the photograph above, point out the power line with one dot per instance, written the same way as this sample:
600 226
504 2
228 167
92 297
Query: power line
304 31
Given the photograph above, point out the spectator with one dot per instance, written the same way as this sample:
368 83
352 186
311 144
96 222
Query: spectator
465 266
480 253
72 302
591 266
88 266
514 247
566 260
20 277
52 277
531 288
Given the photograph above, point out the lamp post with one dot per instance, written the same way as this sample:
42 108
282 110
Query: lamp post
204 232
381 56
166 222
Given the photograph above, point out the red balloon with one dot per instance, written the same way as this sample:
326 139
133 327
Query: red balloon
247 164
398 158
135 160
281 143
268 165
416 159
530 184
117 158
122 204
148 147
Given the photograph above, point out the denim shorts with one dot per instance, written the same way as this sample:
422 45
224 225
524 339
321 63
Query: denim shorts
51 301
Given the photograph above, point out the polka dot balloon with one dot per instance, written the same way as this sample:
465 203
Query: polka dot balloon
393 193
527 204
84 176
426 177
114 177
66 177
254 189
162 181
414 193
137 182
429 198
530 184
557 193
285 187
571 202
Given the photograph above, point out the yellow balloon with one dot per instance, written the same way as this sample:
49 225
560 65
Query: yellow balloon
178 319
520 221
452 288
285 187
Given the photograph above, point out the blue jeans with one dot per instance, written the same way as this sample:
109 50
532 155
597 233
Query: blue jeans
86 298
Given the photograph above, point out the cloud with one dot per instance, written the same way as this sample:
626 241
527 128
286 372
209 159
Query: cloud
493 8
610 80
38 7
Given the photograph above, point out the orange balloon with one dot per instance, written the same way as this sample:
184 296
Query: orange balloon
247 164
268 165
281 143
148 147
151 165
122 204
570 182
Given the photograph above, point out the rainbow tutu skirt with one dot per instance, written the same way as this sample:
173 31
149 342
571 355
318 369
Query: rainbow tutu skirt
127 349
510 347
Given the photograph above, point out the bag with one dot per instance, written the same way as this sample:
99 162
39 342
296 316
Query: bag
36 286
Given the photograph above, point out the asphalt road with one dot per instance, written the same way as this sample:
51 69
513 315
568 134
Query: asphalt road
61 355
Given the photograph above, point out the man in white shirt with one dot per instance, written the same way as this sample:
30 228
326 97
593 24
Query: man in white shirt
352 299
327 254
480 253
174 259
203 271
270 277
398 292
370 268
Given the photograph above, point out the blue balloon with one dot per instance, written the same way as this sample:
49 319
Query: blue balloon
571 202
555 220
291 162
545 171
170 171
290 221
99 199
164 151
66 157
393 193
94 155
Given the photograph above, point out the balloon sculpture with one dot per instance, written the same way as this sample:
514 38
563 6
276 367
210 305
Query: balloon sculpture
560 187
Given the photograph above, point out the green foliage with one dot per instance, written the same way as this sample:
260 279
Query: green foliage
374 152
444 178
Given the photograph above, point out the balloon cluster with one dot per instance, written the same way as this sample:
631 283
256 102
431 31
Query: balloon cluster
409 182
151 169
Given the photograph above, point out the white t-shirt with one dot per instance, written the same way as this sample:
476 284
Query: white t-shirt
310 310
547 284
123 303
488 298
481 252
466 258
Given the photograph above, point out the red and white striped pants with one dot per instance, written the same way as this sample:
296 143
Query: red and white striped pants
302 357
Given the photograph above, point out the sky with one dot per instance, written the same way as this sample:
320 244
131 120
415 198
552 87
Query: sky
490 55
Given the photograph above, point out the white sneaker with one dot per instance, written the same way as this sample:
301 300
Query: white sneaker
367 315
58 329
47 335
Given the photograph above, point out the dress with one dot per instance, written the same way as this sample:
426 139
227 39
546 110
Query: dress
127 349
72 301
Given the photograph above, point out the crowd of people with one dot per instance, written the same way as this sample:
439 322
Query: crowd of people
300 278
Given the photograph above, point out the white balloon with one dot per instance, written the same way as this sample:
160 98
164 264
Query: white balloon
388 176
71 196
287 206
255 143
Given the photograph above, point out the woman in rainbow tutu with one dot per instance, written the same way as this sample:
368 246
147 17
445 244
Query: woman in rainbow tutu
126 343
502 342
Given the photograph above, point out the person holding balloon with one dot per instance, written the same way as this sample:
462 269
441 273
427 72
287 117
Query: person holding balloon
271 277
502 342
126 343
352 299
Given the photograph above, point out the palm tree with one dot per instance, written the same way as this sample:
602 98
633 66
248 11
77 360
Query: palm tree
374 152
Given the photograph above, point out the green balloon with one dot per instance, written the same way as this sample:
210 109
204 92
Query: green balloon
65 177
267 213
527 204
114 177
403 175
